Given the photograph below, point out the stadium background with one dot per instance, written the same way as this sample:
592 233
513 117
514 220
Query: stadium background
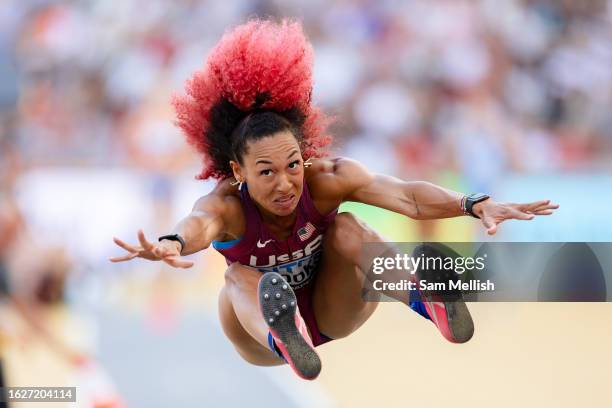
509 97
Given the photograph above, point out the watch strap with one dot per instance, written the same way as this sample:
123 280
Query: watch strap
173 237
468 202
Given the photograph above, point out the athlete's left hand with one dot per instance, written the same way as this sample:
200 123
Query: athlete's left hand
492 213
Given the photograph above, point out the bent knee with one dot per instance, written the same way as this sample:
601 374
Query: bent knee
347 234
237 274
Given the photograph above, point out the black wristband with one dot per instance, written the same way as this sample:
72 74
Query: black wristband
467 203
173 237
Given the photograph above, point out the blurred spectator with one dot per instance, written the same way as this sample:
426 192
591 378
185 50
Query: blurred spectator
90 82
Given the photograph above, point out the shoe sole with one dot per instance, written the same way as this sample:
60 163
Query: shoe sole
457 317
279 309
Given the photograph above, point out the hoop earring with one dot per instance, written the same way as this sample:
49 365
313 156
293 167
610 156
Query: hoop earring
237 183
307 163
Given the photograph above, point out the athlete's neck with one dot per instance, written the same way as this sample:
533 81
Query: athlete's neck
280 226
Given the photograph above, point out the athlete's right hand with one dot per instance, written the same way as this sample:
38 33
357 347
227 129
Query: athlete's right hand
166 250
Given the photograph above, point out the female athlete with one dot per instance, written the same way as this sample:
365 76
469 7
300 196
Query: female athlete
294 280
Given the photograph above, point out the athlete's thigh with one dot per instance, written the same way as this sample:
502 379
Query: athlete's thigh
338 304
248 348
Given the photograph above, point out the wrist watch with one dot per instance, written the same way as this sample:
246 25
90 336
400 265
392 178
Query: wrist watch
173 237
468 201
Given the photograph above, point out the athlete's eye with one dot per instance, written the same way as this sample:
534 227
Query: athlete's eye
294 165
265 172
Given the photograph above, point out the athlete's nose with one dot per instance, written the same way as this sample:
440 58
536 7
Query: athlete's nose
284 184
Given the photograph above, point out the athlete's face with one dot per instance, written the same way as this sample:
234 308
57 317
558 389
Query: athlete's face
274 171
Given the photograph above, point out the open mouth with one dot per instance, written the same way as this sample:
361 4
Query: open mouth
285 201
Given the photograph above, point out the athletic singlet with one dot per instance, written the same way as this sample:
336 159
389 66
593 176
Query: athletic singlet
295 258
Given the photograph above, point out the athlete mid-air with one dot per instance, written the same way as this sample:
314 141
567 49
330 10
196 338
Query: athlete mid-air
294 279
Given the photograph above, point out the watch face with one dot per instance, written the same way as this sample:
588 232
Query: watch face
474 199
478 197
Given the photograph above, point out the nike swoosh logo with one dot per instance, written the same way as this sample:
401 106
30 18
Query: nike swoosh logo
261 245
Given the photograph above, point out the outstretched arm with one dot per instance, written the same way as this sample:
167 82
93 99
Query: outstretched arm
204 224
351 181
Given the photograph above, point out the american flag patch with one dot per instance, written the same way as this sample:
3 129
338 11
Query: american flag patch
306 231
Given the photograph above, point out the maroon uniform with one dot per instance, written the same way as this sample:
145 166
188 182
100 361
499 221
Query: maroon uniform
297 258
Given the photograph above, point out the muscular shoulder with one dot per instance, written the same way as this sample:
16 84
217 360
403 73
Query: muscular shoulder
224 202
334 179
221 199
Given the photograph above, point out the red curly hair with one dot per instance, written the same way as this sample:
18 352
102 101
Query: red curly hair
260 65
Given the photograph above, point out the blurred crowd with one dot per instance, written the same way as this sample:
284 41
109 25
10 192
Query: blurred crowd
475 88
480 87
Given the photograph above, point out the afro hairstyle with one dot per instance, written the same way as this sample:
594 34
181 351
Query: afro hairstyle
258 66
